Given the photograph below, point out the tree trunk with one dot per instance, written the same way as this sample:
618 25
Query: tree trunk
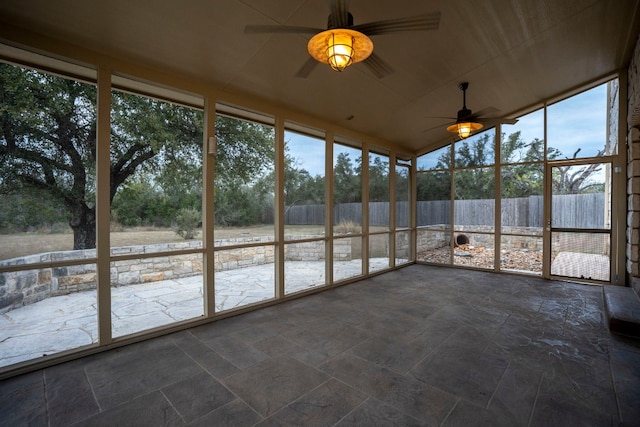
83 224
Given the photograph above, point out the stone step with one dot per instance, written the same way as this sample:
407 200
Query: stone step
622 310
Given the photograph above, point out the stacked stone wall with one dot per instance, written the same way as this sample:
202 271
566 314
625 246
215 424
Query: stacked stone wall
633 166
521 238
25 287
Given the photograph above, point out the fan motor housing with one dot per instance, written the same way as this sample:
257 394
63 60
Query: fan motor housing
463 114
332 24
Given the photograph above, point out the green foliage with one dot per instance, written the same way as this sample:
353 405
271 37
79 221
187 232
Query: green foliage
522 173
31 209
475 151
300 188
347 186
245 150
48 143
378 178
434 185
241 205
187 222
244 186
137 203
48 163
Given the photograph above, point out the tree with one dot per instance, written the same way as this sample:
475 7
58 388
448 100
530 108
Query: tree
434 185
48 144
523 177
186 222
378 179
346 181
245 155
476 181
48 133
577 179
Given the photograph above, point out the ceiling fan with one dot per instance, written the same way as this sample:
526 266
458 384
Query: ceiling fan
468 122
344 43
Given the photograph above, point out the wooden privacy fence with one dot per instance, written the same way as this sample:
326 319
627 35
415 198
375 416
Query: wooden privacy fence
568 211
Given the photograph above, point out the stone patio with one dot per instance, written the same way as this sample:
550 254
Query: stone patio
70 321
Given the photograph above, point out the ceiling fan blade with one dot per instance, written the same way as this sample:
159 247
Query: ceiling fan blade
378 67
442 126
492 121
280 29
307 68
489 111
340 13
430 21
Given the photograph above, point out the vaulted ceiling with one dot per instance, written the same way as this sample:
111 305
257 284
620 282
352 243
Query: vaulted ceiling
514 53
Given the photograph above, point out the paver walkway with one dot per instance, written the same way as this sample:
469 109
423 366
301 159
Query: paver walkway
70 321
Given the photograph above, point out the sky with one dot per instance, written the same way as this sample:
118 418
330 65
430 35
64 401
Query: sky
576 122
308 152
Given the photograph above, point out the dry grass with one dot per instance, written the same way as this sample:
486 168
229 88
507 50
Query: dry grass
21 244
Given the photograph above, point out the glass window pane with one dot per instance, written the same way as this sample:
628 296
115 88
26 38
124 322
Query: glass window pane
403 247
523 141
244 182
47 178
522 199
378 192
433 245
474 207
303 186
304 265
477 150
46 311
244 276
347 258
436 159
434 199
581 255
347 193
160 200
577 126
581 196
473 249
403 192
522 254
151 292
378 252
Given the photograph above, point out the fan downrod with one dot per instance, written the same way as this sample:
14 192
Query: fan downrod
465 112
332 23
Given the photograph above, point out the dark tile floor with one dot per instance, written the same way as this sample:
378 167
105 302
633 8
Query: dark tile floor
418 346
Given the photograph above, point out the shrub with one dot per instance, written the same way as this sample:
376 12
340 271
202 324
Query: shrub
186 223
347 227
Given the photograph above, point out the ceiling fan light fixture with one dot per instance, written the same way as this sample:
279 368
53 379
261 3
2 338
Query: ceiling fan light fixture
464 129
340 47
340 51
464 126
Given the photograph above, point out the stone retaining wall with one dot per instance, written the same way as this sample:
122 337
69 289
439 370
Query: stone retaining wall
633 167
436 236
20 288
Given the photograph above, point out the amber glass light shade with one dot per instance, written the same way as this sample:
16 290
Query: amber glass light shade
340 47
340 51
464 129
